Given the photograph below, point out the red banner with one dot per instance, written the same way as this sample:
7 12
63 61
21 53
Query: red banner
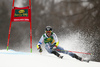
21 14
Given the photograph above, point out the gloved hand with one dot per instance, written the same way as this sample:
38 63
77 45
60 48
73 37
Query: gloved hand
39 48
54 48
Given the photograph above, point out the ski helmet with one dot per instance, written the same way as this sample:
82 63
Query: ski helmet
48 28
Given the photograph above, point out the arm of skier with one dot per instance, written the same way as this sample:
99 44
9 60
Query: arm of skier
40 43
56 41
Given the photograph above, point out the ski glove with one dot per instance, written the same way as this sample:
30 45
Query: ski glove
40 50
39 47
54 48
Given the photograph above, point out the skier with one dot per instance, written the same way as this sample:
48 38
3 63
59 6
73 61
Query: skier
51 44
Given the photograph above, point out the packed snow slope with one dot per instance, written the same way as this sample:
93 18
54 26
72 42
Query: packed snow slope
13 58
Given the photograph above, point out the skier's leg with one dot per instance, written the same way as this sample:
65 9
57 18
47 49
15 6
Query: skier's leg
75 56
53 52
61 50
48 48
57 54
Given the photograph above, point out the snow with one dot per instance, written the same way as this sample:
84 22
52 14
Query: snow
13 58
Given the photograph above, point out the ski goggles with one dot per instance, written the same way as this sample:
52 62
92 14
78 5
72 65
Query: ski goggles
48 31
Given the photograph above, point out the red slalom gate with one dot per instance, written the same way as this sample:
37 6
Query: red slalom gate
21 14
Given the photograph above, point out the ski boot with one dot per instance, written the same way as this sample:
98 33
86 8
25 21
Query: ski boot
61 57
57 54
79 58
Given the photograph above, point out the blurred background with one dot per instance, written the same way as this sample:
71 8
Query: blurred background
76 23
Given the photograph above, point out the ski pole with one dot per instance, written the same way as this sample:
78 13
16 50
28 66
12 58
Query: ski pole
75 52
81 52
